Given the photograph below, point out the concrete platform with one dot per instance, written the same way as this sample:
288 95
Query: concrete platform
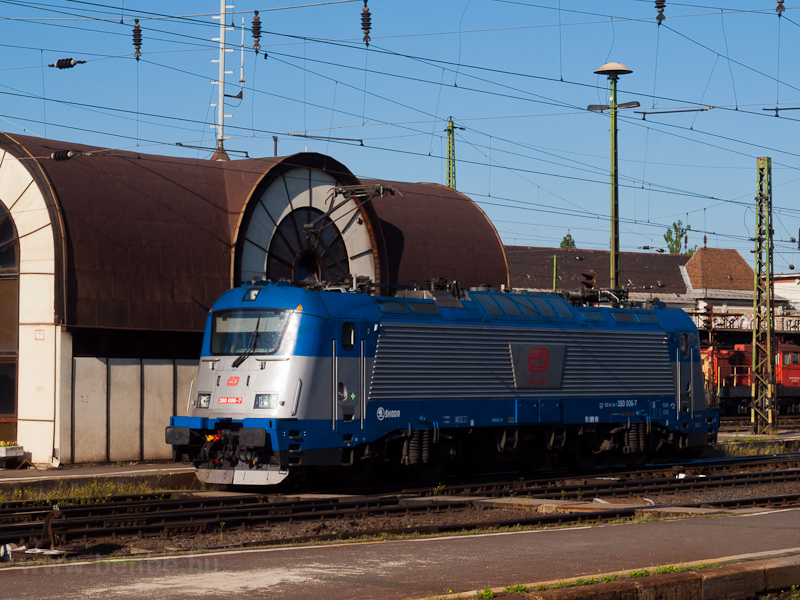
765 547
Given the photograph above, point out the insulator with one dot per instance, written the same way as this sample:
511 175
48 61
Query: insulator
137 39
780 8
660 6
791 267
256 29
62 155
366 23
66 63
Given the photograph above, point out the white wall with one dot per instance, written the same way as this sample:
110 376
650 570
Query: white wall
39 341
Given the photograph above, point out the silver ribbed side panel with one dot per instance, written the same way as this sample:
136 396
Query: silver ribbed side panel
454 362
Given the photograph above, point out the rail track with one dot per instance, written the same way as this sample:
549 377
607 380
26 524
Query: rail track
167 516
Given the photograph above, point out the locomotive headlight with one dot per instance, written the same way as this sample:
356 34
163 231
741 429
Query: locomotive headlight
203 400
266 401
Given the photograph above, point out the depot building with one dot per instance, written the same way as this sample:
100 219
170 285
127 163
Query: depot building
110 260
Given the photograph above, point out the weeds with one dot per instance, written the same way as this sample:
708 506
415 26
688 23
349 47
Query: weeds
77 493
484 594
516 589
638 574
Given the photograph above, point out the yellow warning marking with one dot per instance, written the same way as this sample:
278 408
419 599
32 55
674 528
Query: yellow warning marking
299 307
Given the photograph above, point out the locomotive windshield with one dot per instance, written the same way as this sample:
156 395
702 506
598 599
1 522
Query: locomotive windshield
249 331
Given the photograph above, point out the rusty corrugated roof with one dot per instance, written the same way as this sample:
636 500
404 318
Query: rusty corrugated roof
531 267
148 241
146 236
432 231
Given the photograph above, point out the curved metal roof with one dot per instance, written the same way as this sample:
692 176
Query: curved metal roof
149 242
146 238
432 231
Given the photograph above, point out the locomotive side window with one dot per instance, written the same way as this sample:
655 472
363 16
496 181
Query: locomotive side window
348 336
247 331
684 344
251 294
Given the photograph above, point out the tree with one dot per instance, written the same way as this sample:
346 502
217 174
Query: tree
567 243
674 237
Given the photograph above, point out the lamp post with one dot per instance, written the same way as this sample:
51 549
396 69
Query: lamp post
614 70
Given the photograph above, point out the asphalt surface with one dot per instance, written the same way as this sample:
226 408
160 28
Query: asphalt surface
412 568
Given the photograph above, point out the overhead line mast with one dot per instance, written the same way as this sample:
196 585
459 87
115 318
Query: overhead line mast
764 413
451 153
219 153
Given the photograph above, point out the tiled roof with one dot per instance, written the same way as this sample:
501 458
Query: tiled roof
531 267
719 269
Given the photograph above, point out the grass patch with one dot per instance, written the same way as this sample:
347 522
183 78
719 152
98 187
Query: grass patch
484 594
751 446
638 574
516 589
77 493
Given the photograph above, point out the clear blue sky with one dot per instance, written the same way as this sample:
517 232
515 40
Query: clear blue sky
517 75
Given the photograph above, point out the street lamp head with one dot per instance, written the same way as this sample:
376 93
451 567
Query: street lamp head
613 70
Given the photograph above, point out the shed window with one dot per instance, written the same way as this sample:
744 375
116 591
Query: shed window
9 324
8 388
8 241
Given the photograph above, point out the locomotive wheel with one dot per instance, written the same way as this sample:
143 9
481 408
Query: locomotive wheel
583 457
638 459
430 473
358 475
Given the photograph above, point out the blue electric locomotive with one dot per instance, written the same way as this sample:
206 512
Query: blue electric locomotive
291 378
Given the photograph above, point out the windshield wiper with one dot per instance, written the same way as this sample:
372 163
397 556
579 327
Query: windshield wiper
251 347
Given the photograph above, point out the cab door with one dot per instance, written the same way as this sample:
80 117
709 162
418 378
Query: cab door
689 388
349 377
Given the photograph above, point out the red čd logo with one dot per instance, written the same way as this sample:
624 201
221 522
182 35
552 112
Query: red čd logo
538 359
233 380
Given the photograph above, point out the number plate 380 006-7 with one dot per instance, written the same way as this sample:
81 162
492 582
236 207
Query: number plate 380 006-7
229 400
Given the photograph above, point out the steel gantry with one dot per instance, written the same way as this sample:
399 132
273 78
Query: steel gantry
763 413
